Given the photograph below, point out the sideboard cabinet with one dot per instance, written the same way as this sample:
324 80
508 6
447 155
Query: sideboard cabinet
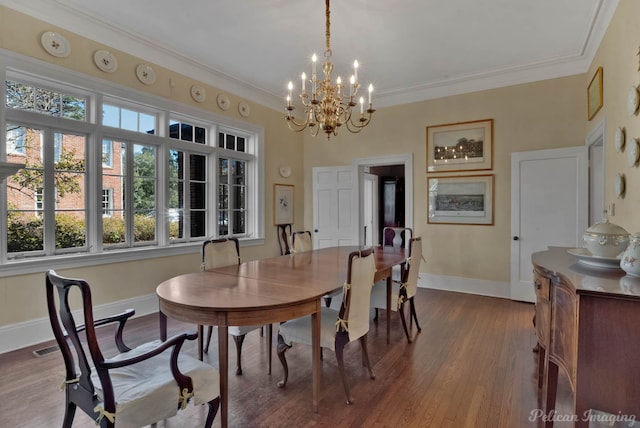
588 325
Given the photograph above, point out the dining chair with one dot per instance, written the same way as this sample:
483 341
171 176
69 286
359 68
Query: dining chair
284 238
341 327
135 387
404 290
301 241
225 252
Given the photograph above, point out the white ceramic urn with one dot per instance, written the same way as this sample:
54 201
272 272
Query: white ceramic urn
630 261
605 239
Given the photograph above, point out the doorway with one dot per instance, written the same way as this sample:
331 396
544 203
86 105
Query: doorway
393 203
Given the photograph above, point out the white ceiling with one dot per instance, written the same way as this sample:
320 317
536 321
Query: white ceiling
410 50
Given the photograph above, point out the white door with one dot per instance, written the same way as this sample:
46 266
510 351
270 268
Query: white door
370 208
336 206
549 207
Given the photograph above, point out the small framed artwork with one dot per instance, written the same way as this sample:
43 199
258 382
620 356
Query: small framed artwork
283 204
594 94
463 146
461 200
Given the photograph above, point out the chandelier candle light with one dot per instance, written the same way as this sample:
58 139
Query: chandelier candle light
329 107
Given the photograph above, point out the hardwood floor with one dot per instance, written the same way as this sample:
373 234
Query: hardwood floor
471 366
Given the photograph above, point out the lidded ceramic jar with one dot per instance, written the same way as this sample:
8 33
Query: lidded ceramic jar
605 239
630 261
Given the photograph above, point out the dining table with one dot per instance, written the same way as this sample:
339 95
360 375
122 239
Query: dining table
266 291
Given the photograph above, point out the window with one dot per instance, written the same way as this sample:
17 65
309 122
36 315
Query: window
129 119
138 175
107 202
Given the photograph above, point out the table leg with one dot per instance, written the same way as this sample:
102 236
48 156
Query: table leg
163 326
223 362
389 291
315 355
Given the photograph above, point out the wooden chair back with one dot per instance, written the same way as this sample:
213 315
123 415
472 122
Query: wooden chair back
284 238
396 236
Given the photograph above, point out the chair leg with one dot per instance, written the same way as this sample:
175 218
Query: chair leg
375 318
209 333
282 348
214 405
414 314
269 342
69 413
365 356
341 341
239 340
404 322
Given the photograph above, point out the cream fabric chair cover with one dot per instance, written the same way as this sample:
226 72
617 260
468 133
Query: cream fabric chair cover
301 242
143 390
379 291
356 314
221 254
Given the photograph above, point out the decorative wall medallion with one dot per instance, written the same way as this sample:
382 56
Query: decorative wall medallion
223 101
285 171
105 61
634 101
145 74
620 185
619 141
55 44
244 109
198 93
634 152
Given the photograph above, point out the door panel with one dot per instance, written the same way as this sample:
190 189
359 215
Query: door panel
549 207
336 216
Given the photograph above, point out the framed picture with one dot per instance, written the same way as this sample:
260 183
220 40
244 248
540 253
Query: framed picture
594 94
283 204
463 146
461 200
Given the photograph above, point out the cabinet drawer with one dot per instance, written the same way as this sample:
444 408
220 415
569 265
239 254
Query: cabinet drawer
541 286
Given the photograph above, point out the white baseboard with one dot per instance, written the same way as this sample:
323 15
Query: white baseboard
29 333
36 331
465 285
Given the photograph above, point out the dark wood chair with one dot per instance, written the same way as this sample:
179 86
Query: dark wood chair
136 387
403 291
284 238
341 327
301 241
225 252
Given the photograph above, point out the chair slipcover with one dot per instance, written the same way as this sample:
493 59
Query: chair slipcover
142 391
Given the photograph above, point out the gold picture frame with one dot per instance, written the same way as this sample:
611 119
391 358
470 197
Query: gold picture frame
594 94
467 199
283 204
462 146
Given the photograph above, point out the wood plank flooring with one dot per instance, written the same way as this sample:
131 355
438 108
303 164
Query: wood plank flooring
471 366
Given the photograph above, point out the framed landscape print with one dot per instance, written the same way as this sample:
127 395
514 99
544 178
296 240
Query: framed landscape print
283 204
464 146
461 200
594 94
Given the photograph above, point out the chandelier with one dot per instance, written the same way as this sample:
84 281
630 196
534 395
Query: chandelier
329 107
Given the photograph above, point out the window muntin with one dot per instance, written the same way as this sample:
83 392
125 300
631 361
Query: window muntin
128 119
232 197
26 97
184 131
231 142
30 231
188 204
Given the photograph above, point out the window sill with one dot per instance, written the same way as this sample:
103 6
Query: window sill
36 265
